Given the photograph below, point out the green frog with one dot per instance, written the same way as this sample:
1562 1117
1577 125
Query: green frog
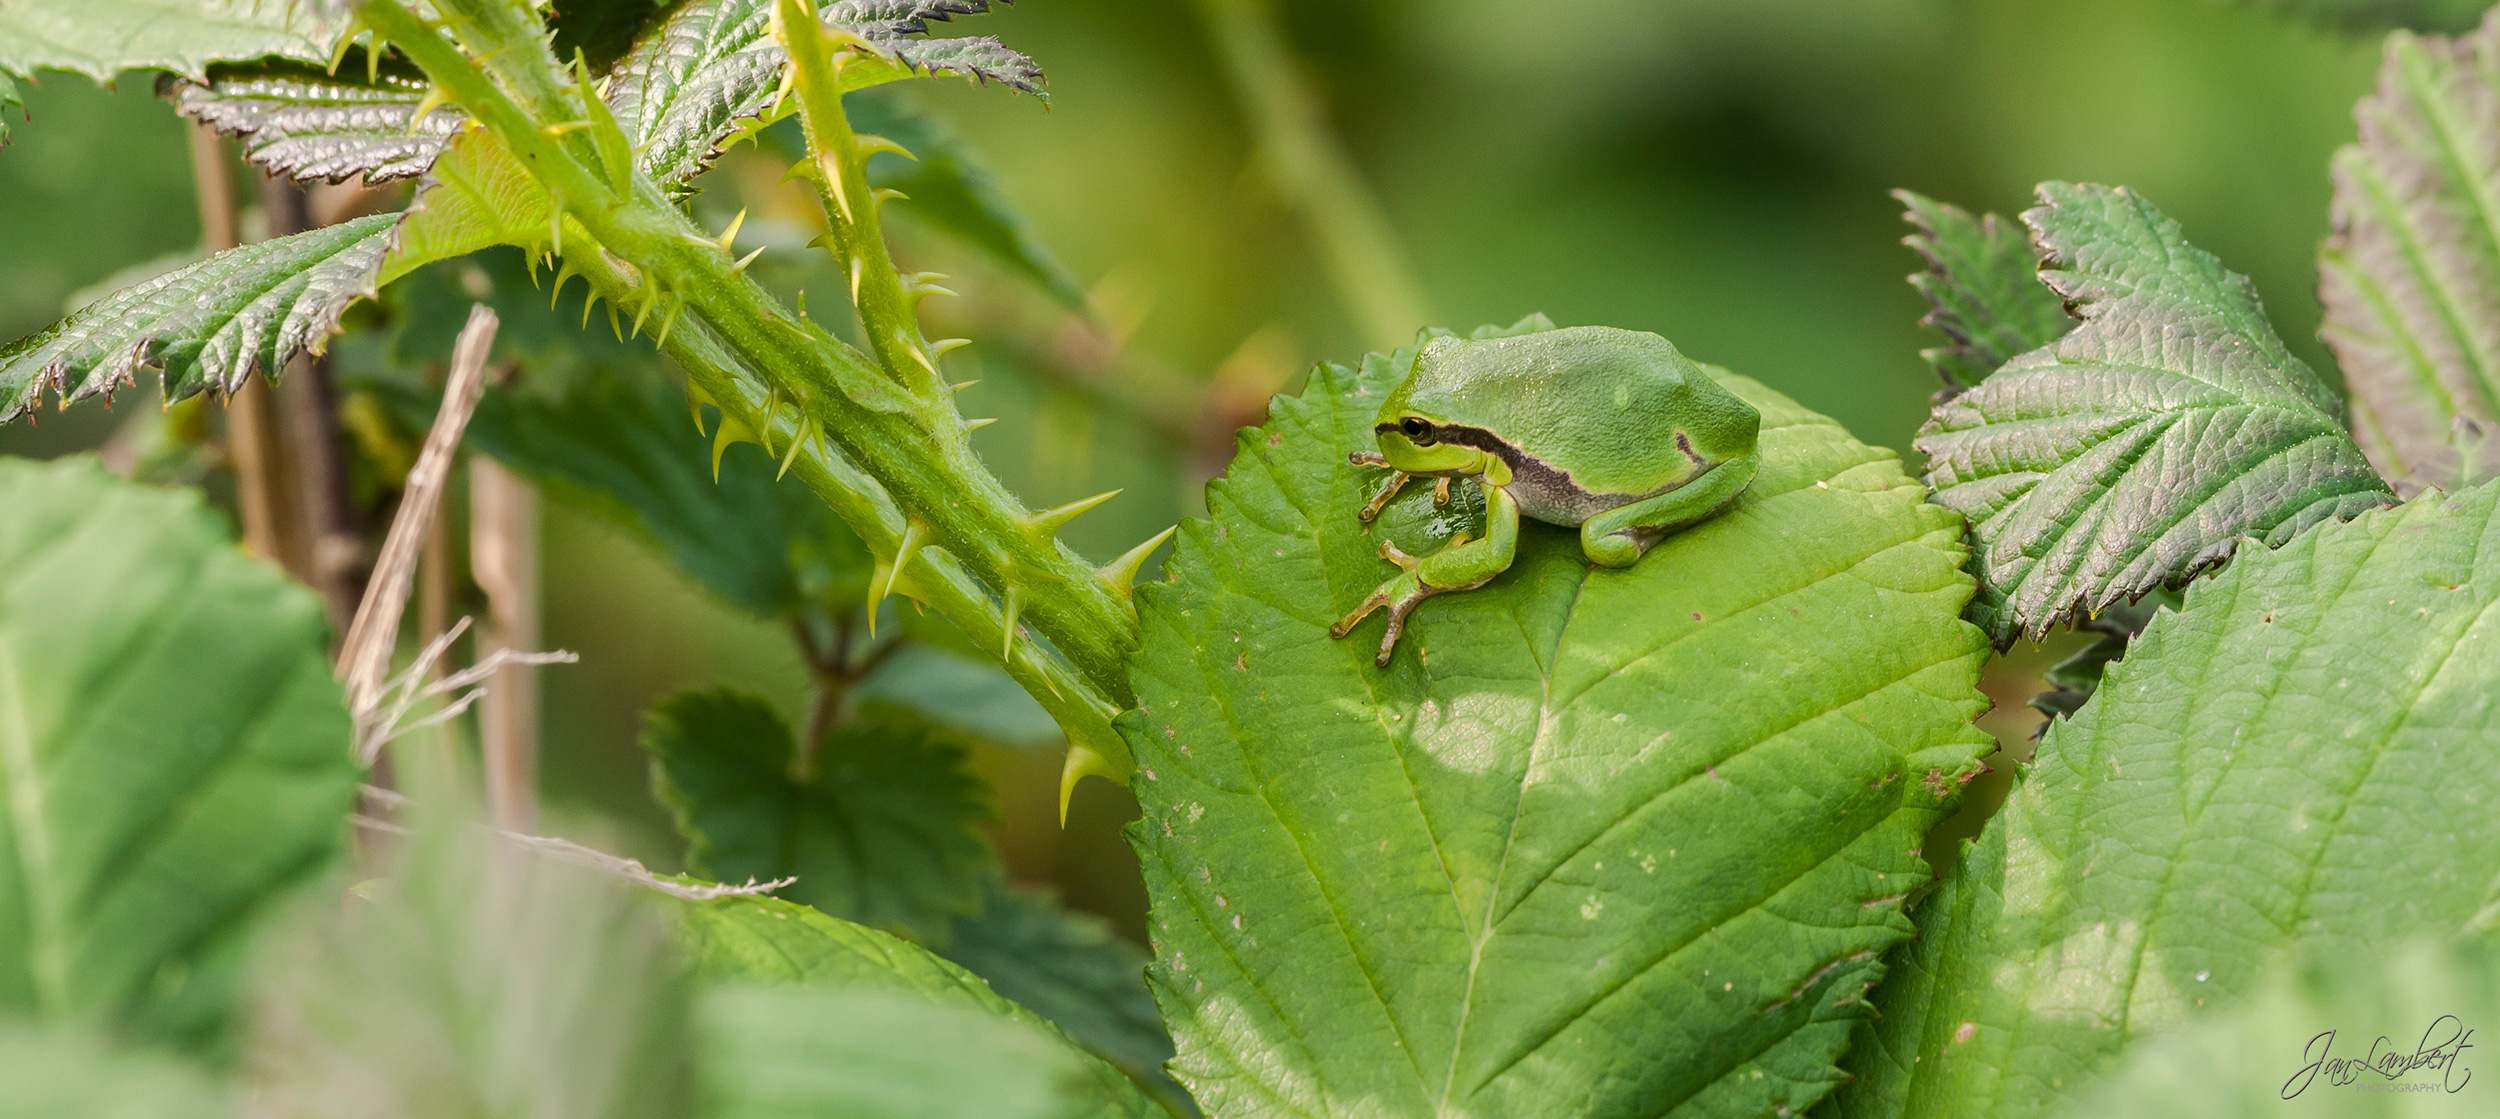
1610 431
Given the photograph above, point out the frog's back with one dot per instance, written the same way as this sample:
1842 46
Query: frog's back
1621 411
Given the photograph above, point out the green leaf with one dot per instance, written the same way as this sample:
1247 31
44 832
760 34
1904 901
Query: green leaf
946 187
68 1075
622 447
2274 1053
101 38
1597 842
299 120
2078 676
2301 755
798 1052
173 752
1983 285
2137 450
801 1051
880 832
208 326
705 76
474 196
1070 968
474 981
2411 275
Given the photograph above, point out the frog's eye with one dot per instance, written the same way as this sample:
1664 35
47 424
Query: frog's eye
1417 431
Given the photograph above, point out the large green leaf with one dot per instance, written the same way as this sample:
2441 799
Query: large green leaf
67 1075
476 980
1596 842
2139 448
2305 1043
817 1053
300 120
2301 755
1070 968
208 325
2411 276
173 752
880 832
101 38
1983 289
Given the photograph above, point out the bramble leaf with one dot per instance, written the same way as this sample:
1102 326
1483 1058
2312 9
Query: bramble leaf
65 1074
618 446
2078 676
2411 275
703 77
208 325
879 831
1597 842
2301 755
2137 450
840 985
2310 1023
173 752
101 38
299 120
1983 283
476 979
1069 968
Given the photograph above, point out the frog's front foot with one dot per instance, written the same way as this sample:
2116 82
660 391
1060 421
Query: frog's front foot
1380 501
1401 595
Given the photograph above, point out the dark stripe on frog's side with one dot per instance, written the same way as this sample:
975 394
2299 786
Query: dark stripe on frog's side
1544 491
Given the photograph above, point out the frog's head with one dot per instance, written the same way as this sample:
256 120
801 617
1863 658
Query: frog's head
1410 435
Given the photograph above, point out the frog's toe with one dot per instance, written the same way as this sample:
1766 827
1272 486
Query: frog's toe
1385 595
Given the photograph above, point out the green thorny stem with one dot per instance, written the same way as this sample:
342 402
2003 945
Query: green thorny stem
880 441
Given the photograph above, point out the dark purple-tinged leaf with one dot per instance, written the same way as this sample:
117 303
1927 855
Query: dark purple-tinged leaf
2137 450
1983 285
2411 275
208 325
298 120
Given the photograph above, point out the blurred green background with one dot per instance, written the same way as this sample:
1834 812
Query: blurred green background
1713 171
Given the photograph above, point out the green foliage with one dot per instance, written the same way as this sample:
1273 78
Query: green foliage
948 188
617 445
994 1043
2074 679
705 75
797 1053
875 822
1599 842
1069 968
2411 277
2299 756
1984 285
173 752
2141 447
8 100
472 981
300 120
209 325
67 1075
101 38
2256 1061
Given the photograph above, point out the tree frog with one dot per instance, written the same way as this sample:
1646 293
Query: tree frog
1610 431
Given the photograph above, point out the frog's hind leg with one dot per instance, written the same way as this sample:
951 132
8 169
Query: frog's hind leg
1619 537
1461 565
